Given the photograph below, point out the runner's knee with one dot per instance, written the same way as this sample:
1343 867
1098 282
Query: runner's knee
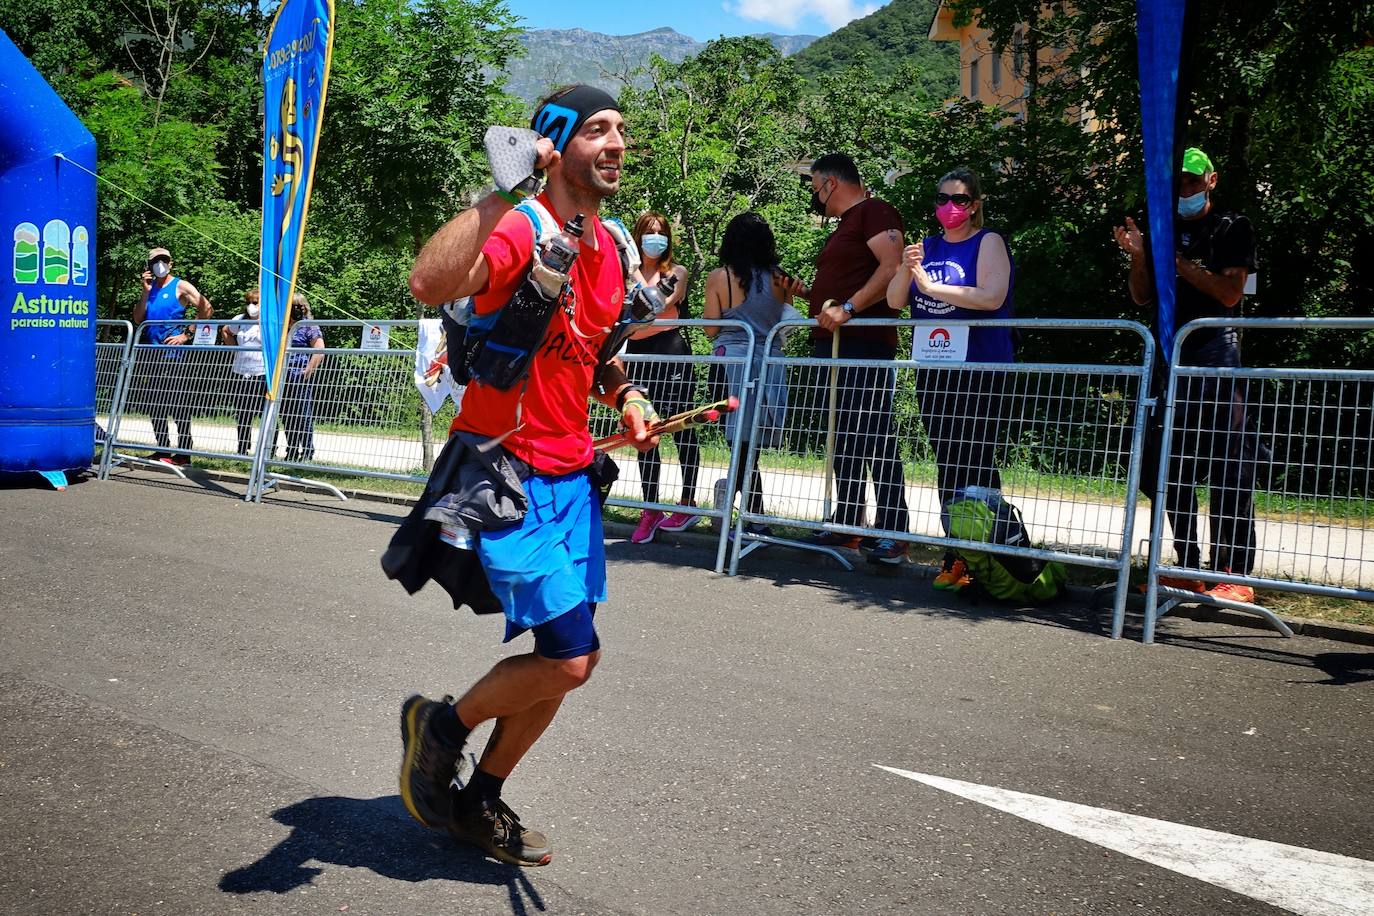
574 672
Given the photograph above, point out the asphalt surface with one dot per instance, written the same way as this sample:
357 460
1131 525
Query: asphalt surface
198 714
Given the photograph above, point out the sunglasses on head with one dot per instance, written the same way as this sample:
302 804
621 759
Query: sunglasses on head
959 200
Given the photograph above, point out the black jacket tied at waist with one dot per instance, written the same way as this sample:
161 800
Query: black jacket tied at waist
469 489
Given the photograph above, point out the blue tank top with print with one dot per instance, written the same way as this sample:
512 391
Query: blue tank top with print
956 264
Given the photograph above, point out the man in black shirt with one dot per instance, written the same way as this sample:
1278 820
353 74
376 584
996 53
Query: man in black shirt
1214 255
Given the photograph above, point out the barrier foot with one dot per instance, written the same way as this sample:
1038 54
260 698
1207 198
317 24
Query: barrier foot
1179 597
271 477
58 479
758 540
148 463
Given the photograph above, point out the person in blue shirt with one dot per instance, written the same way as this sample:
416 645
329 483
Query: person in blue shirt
298 391
965 273
159 388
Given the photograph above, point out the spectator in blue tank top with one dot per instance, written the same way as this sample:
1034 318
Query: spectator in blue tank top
965 273
160 384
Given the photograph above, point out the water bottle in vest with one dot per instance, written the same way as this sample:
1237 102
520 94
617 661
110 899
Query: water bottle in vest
519 327
564 247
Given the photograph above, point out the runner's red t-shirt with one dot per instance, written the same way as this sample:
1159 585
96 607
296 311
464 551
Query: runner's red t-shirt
553 437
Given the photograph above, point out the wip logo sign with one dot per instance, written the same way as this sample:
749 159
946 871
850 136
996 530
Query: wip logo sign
939 339
63 257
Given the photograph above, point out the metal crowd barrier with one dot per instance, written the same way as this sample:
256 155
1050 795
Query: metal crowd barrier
183 401
1285 457
114 342
351 409
1061 435
706 456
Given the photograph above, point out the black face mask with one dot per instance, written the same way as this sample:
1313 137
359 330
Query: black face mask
817 205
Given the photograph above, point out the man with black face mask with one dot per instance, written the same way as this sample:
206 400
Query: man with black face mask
852 273
1215 254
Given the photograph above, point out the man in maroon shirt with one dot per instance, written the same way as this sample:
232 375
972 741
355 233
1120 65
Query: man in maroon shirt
852 273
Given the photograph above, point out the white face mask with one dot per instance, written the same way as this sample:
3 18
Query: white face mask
253 310
161 269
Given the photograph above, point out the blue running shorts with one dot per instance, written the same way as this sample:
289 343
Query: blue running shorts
552 563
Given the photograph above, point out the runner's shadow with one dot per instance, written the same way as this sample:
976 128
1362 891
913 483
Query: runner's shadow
1345 667
373 833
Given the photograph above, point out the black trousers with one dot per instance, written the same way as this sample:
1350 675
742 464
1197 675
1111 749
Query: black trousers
672 388
963 413
159 390
865 445
1213 446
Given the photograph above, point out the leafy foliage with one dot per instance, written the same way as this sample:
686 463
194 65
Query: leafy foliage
883 43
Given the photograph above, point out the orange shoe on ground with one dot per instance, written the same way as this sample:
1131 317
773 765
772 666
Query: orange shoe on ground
1232 592
954 578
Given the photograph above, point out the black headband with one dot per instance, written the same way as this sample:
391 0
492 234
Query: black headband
559 119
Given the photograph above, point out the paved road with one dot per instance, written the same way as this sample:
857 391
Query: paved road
180 733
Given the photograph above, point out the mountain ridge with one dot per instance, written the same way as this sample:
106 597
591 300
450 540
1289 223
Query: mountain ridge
555 57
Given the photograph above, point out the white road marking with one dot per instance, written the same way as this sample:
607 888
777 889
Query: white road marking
1302 880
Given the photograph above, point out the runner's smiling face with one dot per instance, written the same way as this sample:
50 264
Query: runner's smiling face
593 158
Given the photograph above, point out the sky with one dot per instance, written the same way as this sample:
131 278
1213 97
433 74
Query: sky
701 19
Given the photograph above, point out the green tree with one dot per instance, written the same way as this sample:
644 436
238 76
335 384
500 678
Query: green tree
711 137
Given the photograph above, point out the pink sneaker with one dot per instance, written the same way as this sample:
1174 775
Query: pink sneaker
649 520
681 521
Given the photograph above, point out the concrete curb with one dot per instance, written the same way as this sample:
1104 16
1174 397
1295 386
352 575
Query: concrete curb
1336 631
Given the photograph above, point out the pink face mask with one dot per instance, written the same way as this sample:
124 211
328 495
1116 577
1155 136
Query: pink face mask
951 215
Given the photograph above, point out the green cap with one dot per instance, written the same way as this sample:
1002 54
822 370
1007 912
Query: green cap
1196 162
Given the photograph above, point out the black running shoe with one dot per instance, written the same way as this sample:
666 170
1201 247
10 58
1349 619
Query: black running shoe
491 826
427 763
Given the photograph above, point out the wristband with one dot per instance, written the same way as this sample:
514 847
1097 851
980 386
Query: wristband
624 392
508 197
646 407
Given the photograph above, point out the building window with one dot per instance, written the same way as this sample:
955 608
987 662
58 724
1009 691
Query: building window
973 80
1018 54
996 64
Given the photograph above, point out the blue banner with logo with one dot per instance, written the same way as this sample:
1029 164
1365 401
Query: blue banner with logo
1159 42
295 76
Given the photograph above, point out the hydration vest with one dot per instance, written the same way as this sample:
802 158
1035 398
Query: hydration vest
498 347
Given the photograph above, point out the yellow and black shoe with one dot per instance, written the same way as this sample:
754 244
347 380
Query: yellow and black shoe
428 762
491 826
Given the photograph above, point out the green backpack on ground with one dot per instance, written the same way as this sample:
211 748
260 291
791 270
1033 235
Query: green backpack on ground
992 520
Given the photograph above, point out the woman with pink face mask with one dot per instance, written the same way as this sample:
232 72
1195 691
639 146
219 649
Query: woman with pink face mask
965 273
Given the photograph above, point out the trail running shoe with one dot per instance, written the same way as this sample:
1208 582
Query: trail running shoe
954 578
885 551
649 520
833 539
1229 591
680 521
1187 585
491 826
428 762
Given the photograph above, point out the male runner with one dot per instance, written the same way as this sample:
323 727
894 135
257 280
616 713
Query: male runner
549 571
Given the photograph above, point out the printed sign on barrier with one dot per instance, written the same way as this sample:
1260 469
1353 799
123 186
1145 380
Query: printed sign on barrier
205 336
939 344
376 337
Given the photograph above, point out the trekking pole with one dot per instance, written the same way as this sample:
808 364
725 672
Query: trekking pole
830 419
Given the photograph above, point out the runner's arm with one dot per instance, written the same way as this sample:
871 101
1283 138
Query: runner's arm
451 266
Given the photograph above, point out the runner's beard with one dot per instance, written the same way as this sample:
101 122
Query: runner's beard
596 183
